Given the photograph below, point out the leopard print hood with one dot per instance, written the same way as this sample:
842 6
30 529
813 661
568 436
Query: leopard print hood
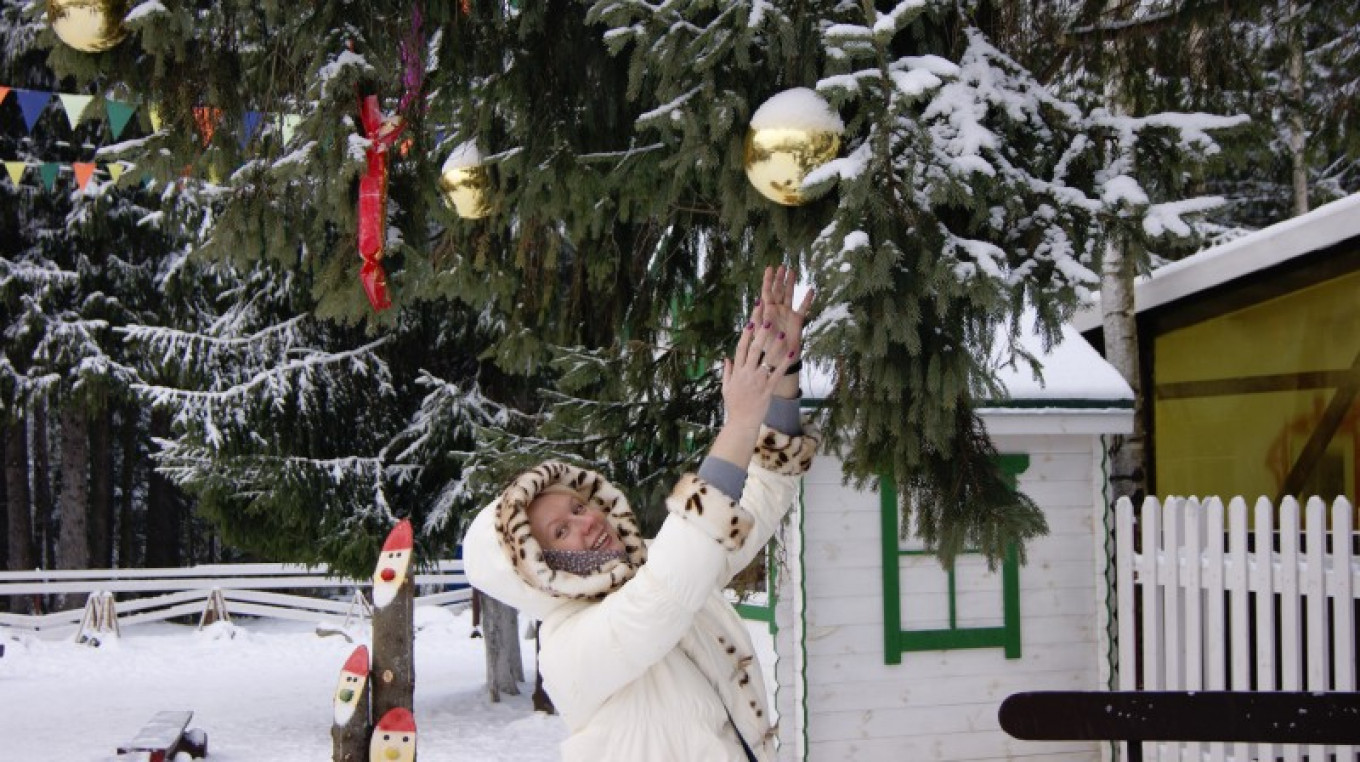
503 559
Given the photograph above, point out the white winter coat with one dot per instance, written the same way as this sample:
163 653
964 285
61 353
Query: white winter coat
646 660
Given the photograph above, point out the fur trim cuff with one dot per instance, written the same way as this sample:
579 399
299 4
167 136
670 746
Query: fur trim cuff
790 455
713 512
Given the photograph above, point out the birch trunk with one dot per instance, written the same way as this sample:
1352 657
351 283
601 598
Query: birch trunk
1128 472
1298 140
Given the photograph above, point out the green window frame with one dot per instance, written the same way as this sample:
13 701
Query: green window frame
898 640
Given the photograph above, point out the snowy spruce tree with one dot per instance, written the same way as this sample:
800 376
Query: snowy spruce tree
79 261
585 313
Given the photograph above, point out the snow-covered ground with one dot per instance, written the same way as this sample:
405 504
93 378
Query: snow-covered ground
260 690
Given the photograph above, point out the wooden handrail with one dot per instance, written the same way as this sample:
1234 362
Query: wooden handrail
1285 717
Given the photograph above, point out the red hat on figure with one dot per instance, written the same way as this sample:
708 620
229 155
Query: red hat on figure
400 538
398 720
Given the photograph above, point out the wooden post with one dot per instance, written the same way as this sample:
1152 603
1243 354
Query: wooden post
349 733
504 667
394 664
100 618
394 669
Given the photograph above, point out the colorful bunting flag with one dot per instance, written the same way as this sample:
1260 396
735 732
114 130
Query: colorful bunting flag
48 171
4 93
115 170
119 113
83 172
154 111
289 126
206 119
251 124
15 170
75 106
32 103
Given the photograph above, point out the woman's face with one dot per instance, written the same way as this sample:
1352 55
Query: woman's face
563 522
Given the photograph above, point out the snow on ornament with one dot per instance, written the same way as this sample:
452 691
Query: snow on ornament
394 739
792 134
464 182
353 681
92 26
393 563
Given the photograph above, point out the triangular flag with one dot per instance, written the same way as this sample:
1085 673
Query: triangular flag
251 123
119 113
32 103
15 170
4 93
83 171
206 118
115 170
290 123
48 171
75 106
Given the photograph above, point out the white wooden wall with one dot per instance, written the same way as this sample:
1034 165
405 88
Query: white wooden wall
838 700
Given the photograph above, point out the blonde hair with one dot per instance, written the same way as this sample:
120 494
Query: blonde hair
559 489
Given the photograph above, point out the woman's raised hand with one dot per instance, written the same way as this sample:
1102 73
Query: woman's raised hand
755 369
769 344
776 305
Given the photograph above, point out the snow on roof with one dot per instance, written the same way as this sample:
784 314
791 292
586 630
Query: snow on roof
1325 226
1074 375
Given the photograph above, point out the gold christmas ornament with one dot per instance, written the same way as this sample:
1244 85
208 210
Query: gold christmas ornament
91 26
792 134
464 182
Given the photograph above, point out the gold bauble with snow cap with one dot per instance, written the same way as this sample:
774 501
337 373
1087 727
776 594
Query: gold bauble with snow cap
464 182
792 134
92 26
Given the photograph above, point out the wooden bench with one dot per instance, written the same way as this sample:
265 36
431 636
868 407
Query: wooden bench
164 736
1282 717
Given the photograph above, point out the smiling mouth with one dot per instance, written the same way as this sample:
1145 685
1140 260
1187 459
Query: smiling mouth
601 541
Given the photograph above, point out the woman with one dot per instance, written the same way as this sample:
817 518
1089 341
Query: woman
640 652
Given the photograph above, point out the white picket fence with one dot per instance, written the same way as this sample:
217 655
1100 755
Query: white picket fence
210 592
1231 600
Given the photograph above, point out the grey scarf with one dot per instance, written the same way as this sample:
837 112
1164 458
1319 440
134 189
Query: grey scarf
581 562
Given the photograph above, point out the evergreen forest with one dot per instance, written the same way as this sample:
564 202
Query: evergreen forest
242 322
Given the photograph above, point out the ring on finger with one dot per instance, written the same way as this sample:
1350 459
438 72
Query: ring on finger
768 368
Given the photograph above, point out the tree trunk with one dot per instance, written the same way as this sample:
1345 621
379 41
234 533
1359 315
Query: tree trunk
19 515
504 664
394 664
101 490
73 546
43 514
129 525
1128 471
163 508
1298 139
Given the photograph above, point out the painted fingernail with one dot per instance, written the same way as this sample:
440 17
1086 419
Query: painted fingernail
790 354
750 324
781 334
757 302
767 324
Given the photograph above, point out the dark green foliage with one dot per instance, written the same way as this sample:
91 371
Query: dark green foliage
583 317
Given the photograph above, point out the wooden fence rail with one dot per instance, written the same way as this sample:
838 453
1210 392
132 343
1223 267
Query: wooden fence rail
1215 600
211 591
